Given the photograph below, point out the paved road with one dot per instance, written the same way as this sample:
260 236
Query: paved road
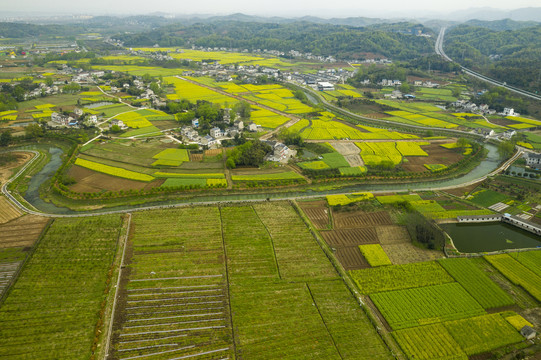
439 51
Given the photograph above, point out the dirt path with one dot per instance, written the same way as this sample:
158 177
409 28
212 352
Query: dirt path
350 151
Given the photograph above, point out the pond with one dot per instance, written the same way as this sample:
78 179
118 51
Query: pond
486 237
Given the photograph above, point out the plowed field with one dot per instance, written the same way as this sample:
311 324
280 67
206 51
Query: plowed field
360 219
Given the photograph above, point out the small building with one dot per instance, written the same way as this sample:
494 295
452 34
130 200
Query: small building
528 332
195 122
118 123
239 124
93 119
78 112
509 112
215 132
252 127
533 160
208 140
325 86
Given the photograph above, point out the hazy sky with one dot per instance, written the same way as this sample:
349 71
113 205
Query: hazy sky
323 8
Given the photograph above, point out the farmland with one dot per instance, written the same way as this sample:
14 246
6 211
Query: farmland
60 314
407 308
517 273
478 285
223 289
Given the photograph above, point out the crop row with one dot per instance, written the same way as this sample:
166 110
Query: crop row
56 299
517 273
425 305
476 283
397 277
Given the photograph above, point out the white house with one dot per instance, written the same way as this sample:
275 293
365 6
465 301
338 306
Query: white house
509 112
215 132
252 127
533 160
325 86
195 122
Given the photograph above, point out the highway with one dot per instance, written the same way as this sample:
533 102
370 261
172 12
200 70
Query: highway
439 50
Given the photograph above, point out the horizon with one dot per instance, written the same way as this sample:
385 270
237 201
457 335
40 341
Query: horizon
343 9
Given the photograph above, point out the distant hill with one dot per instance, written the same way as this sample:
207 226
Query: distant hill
491 14
502 25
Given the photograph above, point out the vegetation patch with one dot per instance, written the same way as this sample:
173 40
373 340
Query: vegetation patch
374 254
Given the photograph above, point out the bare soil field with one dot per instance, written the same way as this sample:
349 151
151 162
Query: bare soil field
213 152
7 171
196 157
359 219
351 258
436 155
392 234
8 212
350 237
92 181
406 253
23 231
350 151
317 212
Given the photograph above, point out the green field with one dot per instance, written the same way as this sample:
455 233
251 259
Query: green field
426 305
52 310
431 342
517 273
476 283
397 277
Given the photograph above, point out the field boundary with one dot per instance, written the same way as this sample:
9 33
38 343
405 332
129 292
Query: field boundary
117 288
227 282
272 242
323 320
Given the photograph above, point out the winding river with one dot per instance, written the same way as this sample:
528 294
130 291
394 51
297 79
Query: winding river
32 196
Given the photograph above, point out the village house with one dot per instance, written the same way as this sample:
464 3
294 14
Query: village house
252 127
118 123
215 132
533 160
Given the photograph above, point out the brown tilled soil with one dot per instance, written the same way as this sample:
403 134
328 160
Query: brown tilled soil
350 237
392 234
6 171
406 253
436 155
196 157
23 231
91 181
8 212
348 220
318 216
351 258
213 152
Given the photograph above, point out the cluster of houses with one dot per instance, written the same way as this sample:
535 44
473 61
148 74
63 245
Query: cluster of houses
42 90
73 119
190 134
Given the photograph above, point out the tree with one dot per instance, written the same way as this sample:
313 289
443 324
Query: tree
462 142
5 138
243 108
505 149
404 88
33 130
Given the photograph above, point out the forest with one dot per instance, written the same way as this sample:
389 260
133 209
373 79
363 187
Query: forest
393 41
512 56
